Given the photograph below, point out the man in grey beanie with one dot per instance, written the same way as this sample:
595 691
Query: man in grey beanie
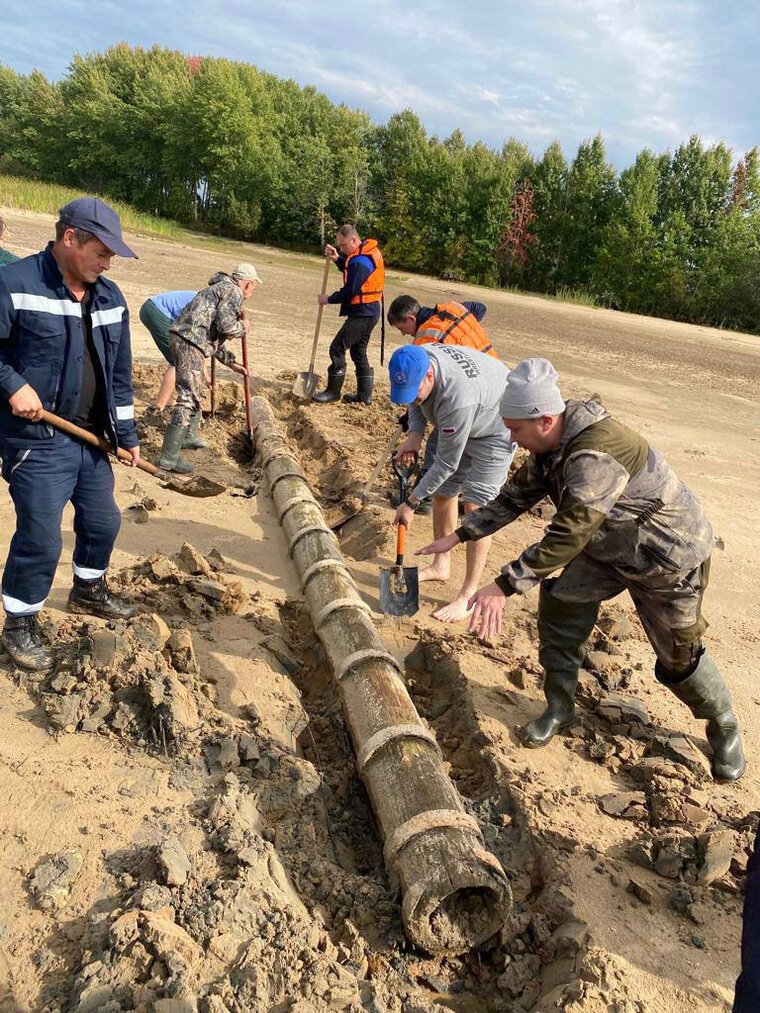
212 317
624 521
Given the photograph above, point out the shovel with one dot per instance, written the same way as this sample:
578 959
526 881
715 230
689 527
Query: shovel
399 584
387 451
307 383
198 486
247 392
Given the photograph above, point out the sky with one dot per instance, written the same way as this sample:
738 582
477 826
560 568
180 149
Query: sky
643 74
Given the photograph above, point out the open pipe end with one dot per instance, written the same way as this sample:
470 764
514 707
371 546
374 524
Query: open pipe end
445 920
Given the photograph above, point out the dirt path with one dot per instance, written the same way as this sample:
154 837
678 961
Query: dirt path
695 393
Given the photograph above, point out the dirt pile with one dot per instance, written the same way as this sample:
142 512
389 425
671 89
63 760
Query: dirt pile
140 679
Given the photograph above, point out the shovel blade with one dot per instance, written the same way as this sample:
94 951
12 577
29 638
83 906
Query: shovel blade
399 591
198 486
305 385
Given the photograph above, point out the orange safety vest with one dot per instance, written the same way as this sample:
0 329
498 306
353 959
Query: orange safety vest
372 289
453 324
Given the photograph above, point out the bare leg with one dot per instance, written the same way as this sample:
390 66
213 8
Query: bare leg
166 389
477 553
445 512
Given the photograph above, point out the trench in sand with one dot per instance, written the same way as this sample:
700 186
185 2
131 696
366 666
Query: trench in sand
286 894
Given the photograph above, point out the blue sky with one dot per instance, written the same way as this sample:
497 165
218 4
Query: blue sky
644 74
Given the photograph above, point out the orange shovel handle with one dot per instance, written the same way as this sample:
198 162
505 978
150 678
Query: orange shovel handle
400 544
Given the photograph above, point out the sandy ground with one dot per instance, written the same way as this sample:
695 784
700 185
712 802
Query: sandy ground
693 392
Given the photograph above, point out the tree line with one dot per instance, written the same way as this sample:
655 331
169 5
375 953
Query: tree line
224 146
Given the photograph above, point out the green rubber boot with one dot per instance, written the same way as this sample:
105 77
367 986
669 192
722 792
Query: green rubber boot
193 439
170 460
563 629
706 695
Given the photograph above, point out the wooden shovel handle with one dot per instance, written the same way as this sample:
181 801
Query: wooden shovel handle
381 462
97 441
319 316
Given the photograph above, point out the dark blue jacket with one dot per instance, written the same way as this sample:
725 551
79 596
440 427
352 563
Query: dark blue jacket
42 344
359 269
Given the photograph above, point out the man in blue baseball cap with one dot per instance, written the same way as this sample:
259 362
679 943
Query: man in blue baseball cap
64 347
96 218
458 390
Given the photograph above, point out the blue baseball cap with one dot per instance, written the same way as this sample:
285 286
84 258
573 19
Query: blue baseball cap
95 216
407 367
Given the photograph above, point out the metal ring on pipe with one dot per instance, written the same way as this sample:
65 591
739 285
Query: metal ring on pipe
311 529
300 497
433 819
282 452
386 735
285 474
323 564
345 666
339 603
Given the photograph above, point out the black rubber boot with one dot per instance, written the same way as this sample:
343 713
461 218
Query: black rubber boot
174 437
334 387
92 598
365 381
563 629
559 690
22 638
706 695
192 440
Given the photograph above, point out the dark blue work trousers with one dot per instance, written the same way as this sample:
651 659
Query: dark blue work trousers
747 999
42 480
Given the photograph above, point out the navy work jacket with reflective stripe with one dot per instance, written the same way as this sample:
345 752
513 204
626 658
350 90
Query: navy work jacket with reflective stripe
42 344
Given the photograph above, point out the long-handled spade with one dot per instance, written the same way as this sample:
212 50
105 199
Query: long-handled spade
401 427
197 486
307 383
399 584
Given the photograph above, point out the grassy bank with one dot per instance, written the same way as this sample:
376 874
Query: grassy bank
33 195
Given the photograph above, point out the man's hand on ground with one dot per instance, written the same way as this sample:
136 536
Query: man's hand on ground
26 403
487 606
443 544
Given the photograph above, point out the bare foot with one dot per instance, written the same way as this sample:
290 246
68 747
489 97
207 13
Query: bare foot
455 611
436 571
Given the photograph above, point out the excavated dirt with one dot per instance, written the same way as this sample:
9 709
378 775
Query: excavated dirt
183 827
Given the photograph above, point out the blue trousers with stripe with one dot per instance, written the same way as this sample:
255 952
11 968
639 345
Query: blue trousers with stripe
42 481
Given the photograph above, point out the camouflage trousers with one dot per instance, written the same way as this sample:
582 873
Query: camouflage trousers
188 361
669 606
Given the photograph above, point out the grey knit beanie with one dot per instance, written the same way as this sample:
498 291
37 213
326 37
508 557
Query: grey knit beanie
531 391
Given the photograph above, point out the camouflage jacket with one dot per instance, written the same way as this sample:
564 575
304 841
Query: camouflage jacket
617 499
213 316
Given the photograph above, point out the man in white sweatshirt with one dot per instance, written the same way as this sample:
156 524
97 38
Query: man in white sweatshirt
458 390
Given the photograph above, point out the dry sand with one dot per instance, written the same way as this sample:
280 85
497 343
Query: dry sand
245 755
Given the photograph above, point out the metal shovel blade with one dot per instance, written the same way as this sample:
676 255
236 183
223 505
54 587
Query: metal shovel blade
399 590
305 385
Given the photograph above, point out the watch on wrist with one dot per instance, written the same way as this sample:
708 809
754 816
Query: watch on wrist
411 502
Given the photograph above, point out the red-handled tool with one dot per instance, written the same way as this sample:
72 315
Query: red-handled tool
399 584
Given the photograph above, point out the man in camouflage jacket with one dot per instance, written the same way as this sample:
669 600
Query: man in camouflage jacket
624 521
200 331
